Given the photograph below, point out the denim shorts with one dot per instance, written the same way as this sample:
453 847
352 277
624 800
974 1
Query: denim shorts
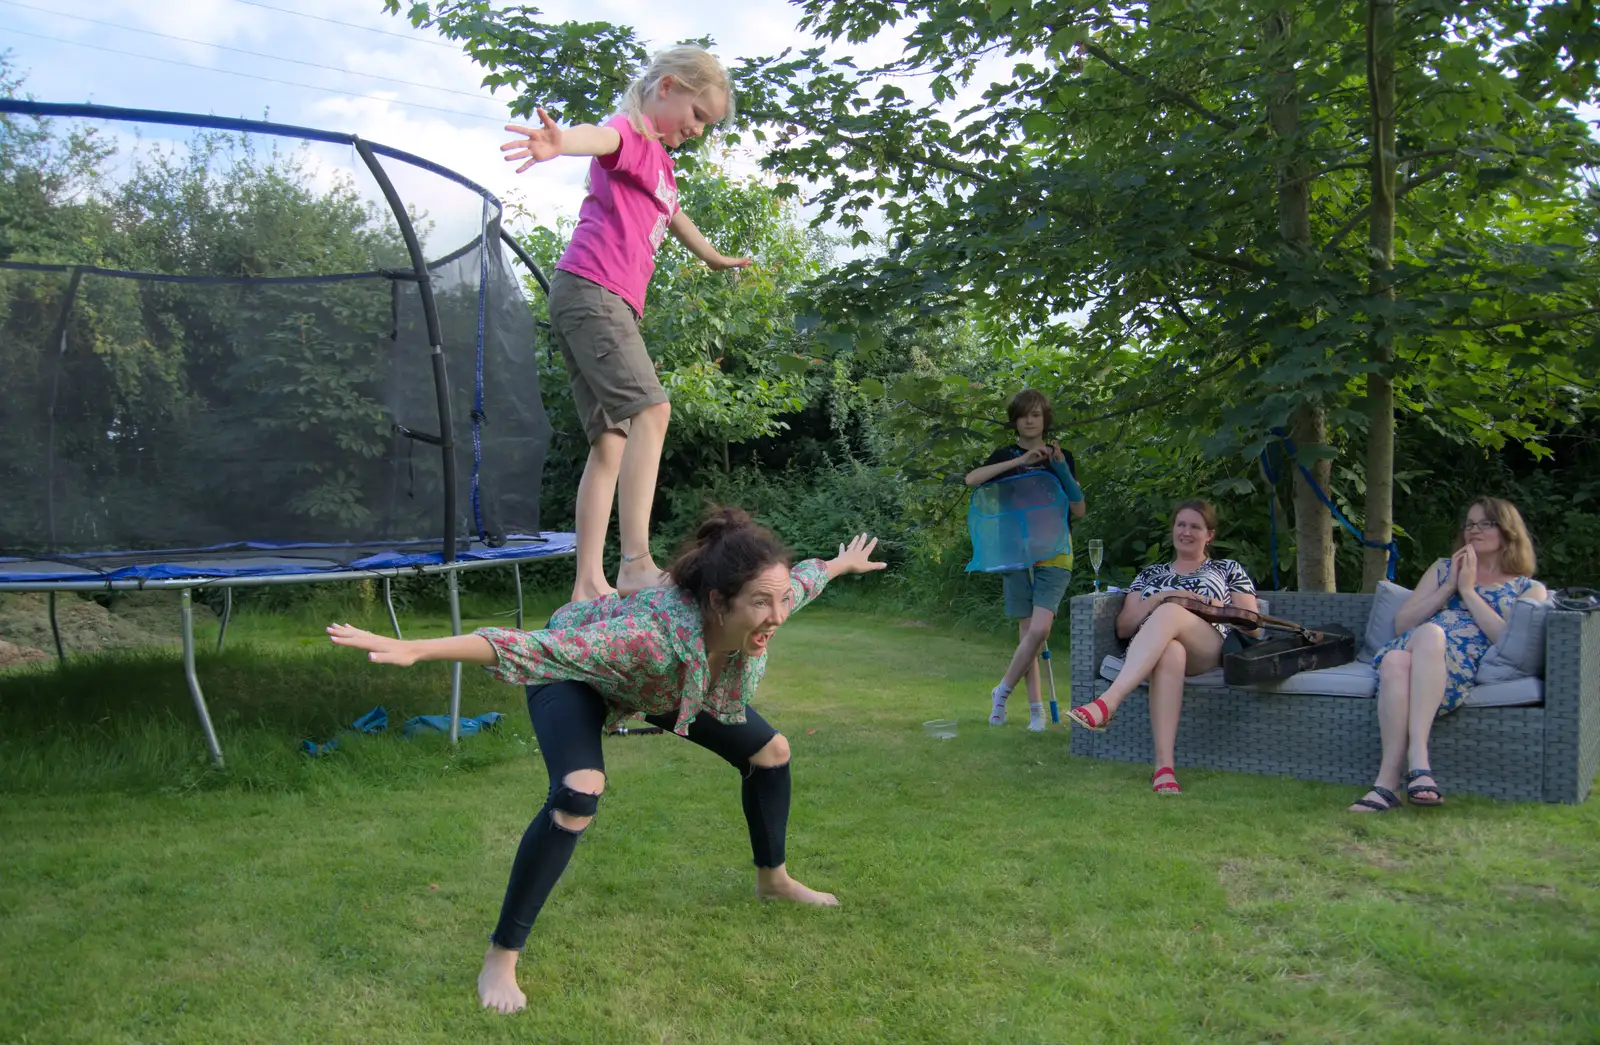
1049 587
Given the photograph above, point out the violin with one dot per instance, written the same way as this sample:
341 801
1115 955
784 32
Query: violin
1247 620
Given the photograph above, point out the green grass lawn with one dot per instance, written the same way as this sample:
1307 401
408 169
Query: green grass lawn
994 888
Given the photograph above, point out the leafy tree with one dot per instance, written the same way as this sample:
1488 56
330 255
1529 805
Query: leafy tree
1189 174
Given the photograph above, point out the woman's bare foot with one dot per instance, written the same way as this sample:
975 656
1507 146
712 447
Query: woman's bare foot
638 574
588 591
774 883
497 983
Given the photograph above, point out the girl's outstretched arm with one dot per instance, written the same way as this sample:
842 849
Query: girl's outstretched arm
685 232
381 649
549 140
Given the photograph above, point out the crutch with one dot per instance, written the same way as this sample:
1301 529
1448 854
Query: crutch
1049 670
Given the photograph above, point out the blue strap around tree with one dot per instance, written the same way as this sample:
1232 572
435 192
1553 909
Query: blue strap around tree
1392 547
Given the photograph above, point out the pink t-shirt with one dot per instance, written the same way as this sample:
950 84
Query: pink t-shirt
632 196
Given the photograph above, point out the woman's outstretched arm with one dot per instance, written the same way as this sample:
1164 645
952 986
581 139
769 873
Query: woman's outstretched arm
381 649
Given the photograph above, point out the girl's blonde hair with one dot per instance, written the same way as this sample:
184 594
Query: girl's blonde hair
1516 557
695 69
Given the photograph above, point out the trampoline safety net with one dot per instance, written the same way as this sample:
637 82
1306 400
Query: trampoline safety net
218 336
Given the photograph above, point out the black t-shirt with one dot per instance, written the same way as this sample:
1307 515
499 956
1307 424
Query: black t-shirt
1008 453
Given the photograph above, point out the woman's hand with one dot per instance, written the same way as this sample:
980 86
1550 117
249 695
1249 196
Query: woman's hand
1464 564
1182 596
380 648
722 261
537 144
856 557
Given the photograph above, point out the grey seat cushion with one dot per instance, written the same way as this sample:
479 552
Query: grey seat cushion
1516 693
1380 619
1360 682
1111 667
1520 651
1344 680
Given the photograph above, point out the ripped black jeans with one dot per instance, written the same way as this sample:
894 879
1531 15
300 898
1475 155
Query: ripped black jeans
567 720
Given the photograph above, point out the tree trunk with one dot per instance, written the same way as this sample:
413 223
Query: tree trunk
1313 523
1380 253
1309 424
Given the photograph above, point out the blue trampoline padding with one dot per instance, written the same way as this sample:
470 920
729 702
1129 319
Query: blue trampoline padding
377 720
264 559
441 724
374 721
555 544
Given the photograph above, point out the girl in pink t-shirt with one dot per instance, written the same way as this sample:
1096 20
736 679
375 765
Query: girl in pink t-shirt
598 290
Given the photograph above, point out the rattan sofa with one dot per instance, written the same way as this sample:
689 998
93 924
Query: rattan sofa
1547 752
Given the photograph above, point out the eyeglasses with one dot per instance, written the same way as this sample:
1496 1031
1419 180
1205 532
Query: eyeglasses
1481 524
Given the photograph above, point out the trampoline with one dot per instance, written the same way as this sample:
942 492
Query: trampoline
262 354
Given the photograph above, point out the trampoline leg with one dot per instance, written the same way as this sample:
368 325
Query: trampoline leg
55 630
227 614
516 572
455 666
194 680
388 602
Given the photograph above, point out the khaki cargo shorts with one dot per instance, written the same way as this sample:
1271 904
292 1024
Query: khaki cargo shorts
612 375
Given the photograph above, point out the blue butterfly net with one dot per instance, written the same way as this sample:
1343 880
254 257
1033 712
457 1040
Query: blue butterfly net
1017 521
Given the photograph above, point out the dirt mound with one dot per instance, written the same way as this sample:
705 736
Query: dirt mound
11 654
134 619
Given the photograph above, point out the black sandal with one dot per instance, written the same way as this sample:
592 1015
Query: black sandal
1411 792
1387 800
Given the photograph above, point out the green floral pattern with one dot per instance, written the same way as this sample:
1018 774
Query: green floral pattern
644 654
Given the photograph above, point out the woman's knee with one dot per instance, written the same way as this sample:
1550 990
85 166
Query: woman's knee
774 752
1174 660
574 803
1427 640
1395 667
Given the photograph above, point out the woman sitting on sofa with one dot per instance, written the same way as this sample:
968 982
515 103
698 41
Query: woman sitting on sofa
1168 641
1458 611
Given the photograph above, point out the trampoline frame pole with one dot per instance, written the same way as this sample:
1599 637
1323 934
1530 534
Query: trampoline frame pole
55 632
388 603
193 678
516 573
452 581
227 614
441 388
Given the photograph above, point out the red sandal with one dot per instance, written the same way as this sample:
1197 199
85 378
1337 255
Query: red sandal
1168 786
1080 715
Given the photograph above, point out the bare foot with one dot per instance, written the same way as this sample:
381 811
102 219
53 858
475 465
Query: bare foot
774 883
588 591
497 983
639 574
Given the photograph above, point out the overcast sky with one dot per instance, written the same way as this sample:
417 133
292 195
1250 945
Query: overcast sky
94 50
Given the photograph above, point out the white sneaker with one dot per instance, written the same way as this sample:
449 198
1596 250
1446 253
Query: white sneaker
1036 722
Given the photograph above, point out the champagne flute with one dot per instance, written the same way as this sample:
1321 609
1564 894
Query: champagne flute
1097 551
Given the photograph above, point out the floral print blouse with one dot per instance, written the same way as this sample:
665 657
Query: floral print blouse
644 654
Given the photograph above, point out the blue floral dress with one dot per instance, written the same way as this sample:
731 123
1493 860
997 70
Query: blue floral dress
1464 642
